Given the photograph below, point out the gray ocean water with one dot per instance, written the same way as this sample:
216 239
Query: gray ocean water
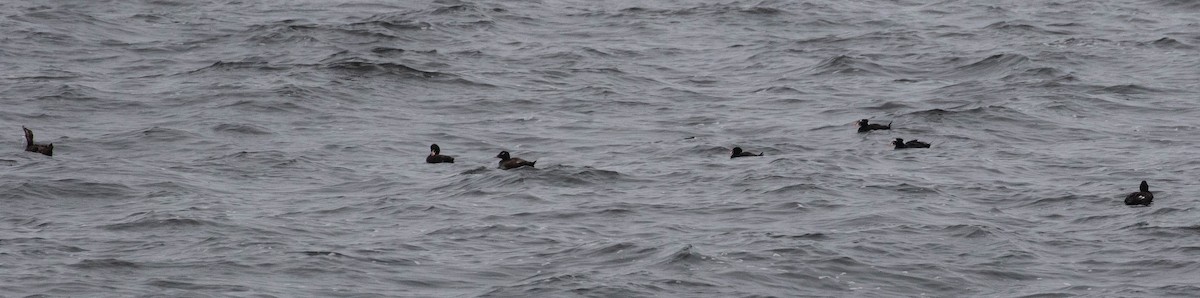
276 148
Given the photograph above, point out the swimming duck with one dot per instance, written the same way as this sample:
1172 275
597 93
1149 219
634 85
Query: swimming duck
865 126
900 144
47 149
1142 197
435 155
508 162
737 152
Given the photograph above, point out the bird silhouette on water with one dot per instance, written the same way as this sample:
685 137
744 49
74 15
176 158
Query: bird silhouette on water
435 155
47 149
865 126
900 144
509 162
1142 197
737 152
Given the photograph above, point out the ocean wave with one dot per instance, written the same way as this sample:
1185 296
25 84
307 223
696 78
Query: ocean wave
544 175
162 284
39 247
106 264
969 231
46 75
1178 4
994 65
847 65
361 66
148 221
1128 89
1040 73
552 283
1164 231
71 92
1170 43
1008 26
801 188
478 230
298 91
48 37
149 135
268 164
283 36
67 189
396 51
270 106
395 21
681 258
704 9
236 66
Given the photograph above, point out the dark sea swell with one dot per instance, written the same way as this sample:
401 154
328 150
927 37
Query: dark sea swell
274 148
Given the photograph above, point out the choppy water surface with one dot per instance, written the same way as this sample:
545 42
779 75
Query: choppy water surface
276 148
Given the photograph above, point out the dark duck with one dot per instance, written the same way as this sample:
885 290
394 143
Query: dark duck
865 126
47 149
900 144
737 152
509 162
1142 197
435 155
